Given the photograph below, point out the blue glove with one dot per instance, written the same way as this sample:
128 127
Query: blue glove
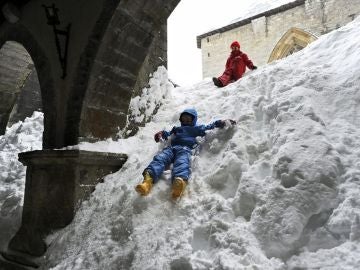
232 122
219 123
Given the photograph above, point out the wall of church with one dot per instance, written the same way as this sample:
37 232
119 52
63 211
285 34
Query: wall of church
258 38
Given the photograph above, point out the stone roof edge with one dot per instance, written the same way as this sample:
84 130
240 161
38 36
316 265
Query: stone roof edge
248 20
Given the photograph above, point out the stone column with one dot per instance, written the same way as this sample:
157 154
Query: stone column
57 181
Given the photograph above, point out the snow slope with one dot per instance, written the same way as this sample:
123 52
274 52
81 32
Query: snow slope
280 190
21 137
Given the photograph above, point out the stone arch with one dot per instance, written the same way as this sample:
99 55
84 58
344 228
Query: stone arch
293 40
19 34
83 71
105 84
19 85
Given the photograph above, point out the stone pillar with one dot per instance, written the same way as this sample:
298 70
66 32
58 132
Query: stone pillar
57 181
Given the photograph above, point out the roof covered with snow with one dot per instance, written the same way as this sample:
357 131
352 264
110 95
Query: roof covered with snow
257 10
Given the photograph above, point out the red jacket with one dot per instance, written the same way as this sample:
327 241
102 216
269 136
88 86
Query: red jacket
235 67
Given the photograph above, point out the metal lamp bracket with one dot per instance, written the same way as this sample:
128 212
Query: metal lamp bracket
61 35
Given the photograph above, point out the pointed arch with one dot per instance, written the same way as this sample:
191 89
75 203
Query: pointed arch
19 85
293 40
20 34
132 42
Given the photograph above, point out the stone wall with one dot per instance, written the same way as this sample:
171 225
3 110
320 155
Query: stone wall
19 85
157 57
259 37
132 48
29 98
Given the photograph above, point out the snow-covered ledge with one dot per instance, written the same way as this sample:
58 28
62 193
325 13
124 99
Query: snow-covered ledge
57 181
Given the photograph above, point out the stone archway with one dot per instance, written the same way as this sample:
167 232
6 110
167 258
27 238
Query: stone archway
108 58
293 40
19 34
19 85
133 45
115 44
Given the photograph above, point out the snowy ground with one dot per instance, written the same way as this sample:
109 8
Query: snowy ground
280 190
21 137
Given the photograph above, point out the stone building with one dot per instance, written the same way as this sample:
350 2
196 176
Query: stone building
275 33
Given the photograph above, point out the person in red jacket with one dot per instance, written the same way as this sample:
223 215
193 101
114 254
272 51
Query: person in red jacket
235 66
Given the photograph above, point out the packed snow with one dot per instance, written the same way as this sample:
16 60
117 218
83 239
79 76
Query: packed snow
280 190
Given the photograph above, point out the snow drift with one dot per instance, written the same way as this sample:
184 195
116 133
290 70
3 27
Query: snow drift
278 191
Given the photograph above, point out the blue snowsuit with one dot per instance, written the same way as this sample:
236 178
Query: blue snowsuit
179 152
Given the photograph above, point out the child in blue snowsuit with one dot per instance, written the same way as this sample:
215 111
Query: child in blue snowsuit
178 153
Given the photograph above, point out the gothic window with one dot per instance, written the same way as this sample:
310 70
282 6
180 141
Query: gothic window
291 42
294 49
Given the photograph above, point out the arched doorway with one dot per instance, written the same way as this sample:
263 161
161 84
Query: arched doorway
19 85
292 41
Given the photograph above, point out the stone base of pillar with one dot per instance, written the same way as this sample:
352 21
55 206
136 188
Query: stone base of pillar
57 181
11 260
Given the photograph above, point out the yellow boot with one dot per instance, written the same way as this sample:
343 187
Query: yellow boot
145 187
178 187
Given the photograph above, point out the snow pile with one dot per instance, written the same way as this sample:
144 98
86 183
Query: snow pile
277 191
144 106
20 137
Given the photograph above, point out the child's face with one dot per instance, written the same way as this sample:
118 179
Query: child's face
186 119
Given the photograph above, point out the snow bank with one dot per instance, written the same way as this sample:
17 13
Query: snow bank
144 106
20 137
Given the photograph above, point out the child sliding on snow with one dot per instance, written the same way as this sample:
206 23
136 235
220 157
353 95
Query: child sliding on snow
235 66
178 153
